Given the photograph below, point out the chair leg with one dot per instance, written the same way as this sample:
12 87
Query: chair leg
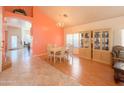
67 56
54 59
60 59
64 59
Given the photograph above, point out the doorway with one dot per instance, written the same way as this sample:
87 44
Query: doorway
18 38
14 42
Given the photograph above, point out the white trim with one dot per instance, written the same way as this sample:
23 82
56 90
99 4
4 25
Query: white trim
42 54
0 67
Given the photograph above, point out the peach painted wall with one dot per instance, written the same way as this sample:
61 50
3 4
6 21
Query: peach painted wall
28 9
45 32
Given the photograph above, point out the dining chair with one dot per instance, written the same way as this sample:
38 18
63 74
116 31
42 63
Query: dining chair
69 51
61 55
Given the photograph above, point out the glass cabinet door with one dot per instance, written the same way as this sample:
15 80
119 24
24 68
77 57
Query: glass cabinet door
87 40
97 40
105 40
81 40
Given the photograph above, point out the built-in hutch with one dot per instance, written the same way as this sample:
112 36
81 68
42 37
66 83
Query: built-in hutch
96 45
85 44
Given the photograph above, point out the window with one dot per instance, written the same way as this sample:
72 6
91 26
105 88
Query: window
69 39
76 40
73 39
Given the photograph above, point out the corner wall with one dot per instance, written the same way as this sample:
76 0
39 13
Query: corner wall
45 32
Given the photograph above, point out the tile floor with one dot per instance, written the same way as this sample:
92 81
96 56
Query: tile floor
27 70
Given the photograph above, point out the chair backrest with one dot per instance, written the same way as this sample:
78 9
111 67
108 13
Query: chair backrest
63 52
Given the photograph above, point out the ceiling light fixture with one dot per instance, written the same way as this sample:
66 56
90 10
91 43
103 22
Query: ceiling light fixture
60 24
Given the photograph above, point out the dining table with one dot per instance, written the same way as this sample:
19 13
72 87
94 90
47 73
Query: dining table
55 50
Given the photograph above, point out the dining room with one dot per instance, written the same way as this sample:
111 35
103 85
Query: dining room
62 46
65 49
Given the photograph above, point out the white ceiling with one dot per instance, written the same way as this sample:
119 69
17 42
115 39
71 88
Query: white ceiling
81 14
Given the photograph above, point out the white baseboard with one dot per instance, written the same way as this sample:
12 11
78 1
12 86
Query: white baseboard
42 54
107 63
